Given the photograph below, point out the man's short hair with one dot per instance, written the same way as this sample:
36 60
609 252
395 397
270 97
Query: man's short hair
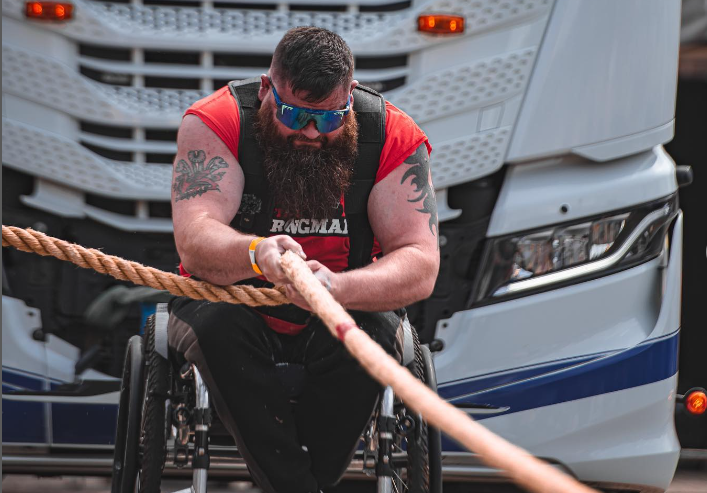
314 61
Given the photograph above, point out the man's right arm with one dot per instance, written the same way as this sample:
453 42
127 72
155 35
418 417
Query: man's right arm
207 185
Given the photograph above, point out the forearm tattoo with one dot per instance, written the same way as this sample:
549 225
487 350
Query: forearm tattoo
194 178
420 172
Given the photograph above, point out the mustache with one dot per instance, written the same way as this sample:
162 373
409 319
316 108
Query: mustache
323 139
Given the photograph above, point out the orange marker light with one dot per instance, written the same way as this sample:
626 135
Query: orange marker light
440 24
696 402
52 11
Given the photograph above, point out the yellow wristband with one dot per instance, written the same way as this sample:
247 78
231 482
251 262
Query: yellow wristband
251 253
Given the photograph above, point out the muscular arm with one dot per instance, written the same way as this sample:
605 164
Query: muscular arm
403 214
207 186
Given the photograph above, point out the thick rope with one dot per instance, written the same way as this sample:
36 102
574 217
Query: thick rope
526 470
29 240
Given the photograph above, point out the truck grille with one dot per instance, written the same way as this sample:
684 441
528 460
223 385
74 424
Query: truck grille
174 17
207 70
126 70
323 7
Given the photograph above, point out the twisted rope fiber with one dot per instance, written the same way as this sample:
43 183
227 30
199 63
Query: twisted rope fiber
527 471
29 240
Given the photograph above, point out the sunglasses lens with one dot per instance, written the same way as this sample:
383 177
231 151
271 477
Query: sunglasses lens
329 123
297 119
291 117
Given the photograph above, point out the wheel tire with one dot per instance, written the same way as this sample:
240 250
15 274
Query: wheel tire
153 437
127 437
434 436
418 455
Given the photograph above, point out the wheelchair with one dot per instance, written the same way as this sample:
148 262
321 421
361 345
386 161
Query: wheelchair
166 418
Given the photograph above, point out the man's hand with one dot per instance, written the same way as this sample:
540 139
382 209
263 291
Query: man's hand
267 256
325 276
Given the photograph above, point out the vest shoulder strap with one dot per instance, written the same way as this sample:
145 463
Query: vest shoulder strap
256 204
370 116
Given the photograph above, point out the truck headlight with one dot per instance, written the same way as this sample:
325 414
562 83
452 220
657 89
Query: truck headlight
555 256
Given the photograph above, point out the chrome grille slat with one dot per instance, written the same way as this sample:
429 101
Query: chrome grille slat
129 144
209 70
237 21
197 72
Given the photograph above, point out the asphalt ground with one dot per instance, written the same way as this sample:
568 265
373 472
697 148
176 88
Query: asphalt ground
692 480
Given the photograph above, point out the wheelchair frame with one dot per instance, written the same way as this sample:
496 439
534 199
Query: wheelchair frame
189 421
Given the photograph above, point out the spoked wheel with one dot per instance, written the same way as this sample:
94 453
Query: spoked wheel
127 437
416 456
155 418
434 436
142 418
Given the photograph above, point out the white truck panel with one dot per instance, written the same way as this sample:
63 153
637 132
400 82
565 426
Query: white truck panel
533 194
596 80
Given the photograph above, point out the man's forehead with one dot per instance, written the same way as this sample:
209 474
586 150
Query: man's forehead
336 100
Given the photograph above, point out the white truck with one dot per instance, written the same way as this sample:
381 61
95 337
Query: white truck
556 316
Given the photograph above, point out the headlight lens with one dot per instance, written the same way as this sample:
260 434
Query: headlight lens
546 258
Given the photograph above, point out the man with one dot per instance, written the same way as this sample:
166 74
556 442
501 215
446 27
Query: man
279 157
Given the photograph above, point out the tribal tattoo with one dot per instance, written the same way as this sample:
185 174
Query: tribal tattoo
194 179
420 172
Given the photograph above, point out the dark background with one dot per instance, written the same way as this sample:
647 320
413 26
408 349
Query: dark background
689 147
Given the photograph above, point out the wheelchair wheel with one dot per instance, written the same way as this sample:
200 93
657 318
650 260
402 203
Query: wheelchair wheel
434 436
155 418
129 416
421 443
145 472
417 442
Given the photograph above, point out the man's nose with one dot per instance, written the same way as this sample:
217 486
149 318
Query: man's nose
310 130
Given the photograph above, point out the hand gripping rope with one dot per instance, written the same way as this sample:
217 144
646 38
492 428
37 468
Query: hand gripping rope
526 470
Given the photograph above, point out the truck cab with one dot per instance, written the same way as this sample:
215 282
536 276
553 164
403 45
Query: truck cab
555 319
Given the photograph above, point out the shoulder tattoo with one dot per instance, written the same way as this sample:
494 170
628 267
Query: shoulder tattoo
419 170
195 178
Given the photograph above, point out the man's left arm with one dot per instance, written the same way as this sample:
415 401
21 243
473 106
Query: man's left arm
403 215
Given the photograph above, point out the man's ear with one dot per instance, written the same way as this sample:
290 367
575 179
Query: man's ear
354 83
264 87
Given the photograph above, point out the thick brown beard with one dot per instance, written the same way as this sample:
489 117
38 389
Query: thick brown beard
306 182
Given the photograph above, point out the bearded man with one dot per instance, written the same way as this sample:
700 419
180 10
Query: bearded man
300 159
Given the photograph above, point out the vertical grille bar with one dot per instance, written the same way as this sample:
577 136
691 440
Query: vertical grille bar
207 62
142 209
139 136
139 60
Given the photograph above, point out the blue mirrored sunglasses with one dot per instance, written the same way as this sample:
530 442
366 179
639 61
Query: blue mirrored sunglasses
297 118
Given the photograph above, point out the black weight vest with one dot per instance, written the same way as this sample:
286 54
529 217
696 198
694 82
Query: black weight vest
257 206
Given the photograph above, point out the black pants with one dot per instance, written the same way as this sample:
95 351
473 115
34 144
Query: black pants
288 449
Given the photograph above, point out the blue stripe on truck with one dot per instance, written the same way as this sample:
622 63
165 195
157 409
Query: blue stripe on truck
648 362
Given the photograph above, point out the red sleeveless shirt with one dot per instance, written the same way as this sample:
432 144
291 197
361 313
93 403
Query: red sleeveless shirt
325 241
